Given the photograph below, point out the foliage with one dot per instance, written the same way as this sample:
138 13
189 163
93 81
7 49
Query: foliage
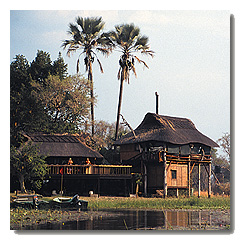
128 40
104 135
24 112
41 66
224 143
87 36
221 166
27 165
31 86
66 101
59 68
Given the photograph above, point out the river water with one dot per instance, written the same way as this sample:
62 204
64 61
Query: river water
143 220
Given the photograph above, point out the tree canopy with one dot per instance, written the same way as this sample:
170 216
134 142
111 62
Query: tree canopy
44 98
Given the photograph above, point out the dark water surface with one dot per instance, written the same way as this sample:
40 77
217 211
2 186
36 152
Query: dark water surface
139 220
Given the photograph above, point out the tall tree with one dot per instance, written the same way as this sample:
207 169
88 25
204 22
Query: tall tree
129 41
87 36
24 112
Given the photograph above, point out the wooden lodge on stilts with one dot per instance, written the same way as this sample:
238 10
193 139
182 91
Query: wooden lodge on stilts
164 150
75 168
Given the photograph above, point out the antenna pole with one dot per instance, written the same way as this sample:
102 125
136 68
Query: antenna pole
156 102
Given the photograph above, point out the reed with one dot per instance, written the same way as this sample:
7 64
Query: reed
159 203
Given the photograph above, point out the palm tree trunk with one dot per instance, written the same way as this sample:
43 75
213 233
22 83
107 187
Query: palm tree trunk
90 78
119 104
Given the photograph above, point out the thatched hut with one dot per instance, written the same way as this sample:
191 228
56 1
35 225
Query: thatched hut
60 147
164 150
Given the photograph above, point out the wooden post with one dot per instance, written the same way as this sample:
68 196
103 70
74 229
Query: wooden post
145 180
189 178
61 191
199 179
209 180
165 172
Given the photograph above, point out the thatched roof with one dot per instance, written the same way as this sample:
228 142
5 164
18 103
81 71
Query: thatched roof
62 145
161 128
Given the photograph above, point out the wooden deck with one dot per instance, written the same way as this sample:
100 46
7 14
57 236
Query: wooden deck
105 170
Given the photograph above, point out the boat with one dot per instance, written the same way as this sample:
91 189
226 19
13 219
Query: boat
29 201
66 202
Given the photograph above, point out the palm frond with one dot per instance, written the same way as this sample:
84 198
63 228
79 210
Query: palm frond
78 66
141 61
142 41
100 65
90 25
119 73
104 51
148 52
134 70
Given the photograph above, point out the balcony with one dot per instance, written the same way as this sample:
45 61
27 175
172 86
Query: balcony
105 170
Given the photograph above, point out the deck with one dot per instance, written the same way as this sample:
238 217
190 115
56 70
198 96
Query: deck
84 170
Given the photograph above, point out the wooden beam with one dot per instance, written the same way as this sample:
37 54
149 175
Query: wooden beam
169 165
209 180
145 179
165 172
192 168
199 179
189 178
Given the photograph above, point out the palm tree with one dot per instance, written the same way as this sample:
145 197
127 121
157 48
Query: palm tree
128 40
87 35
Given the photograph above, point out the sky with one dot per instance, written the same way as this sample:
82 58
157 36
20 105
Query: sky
190 69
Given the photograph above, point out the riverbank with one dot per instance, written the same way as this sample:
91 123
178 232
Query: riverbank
215 202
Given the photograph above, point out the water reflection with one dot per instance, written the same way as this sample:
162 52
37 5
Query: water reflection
135 220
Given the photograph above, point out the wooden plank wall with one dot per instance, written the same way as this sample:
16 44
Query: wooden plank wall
181 180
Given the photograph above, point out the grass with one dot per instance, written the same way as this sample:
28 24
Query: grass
159 203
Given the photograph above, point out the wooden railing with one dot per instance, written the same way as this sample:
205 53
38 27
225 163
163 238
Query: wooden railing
89 169
157 156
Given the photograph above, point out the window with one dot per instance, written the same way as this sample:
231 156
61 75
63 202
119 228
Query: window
174 174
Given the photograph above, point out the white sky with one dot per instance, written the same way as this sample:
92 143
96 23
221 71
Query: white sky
190 70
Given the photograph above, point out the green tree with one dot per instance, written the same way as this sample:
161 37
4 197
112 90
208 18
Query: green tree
66 101
221 165
41 66
87 36
24 112
129 41
27 113
27 165
59 68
